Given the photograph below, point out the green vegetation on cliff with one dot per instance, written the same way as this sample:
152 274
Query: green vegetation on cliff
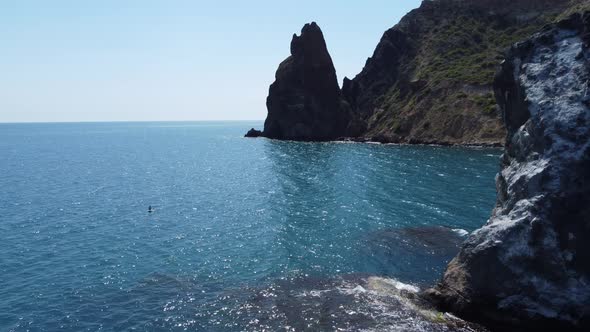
429 80
467 50
575 6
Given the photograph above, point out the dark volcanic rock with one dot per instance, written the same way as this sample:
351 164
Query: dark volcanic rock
529 266
253 133
305 102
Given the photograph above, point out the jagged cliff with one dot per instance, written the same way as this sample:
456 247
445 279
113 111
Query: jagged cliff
430 77
428 81
529 266
305 102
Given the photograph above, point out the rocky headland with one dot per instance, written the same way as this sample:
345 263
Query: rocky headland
528 268
429 80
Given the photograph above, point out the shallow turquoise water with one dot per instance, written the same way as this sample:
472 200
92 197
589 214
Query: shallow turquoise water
241 225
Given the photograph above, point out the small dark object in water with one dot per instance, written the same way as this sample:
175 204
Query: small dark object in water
253 133
150 209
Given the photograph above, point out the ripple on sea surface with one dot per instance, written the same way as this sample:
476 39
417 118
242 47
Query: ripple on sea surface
237 222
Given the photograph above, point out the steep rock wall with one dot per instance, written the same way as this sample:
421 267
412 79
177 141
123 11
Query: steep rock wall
430 77
529 266
305 102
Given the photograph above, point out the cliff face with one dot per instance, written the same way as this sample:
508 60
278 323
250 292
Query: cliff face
430 77
529 266
428 81
304 102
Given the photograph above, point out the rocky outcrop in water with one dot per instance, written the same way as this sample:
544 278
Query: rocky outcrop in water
304 102
253 133
529 266
429 79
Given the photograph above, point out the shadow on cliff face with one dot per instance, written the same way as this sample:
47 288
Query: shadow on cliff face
406 253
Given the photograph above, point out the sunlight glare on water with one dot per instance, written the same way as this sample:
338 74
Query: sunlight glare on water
246 233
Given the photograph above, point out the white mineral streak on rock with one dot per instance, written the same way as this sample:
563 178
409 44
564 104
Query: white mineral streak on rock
525 261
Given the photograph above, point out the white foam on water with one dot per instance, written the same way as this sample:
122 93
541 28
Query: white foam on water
460 232
399 285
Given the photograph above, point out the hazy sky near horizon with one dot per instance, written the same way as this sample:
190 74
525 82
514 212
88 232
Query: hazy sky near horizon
144 60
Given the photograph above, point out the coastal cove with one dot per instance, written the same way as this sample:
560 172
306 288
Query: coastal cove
435 179
245 233
527 268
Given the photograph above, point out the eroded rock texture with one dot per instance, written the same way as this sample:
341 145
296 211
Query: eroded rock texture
304 102
529 266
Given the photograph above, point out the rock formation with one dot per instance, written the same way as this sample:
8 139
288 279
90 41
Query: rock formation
529 266
304 102
253 133
430 77
428 81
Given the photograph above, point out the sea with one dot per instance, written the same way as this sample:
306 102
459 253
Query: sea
244 234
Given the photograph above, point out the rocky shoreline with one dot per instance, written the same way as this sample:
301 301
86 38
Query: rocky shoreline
253 133
385 140
527 267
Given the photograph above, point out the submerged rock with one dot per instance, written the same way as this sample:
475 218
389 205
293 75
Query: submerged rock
342 303
411 254
529 266
304 102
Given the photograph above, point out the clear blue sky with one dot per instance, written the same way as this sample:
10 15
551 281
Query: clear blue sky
117 60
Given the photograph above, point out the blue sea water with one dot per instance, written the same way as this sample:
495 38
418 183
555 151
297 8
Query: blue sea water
247 234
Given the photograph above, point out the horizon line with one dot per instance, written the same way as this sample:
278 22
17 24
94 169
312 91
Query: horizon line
120 121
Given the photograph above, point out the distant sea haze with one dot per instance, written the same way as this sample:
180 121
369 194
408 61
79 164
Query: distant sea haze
246 234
